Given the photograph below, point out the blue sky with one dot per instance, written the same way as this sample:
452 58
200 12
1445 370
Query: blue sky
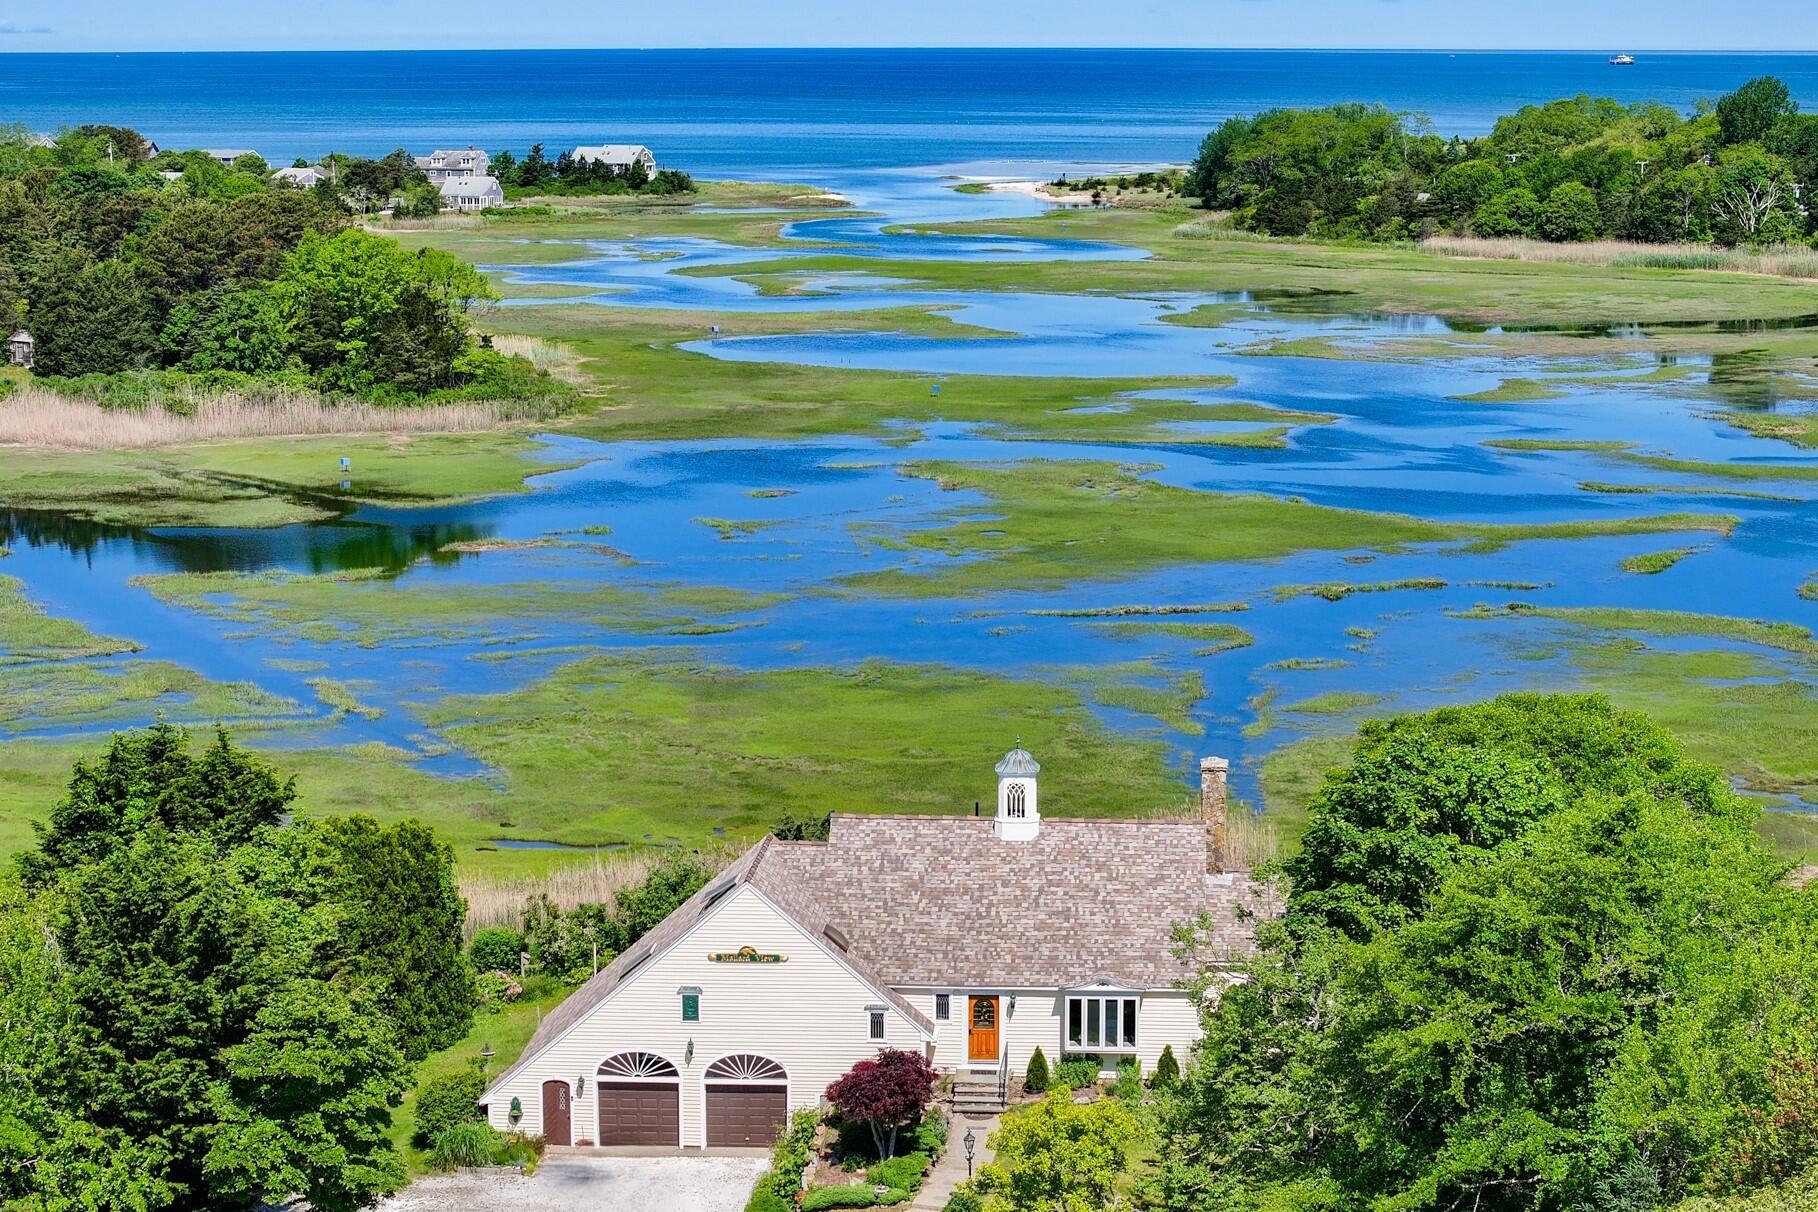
301 24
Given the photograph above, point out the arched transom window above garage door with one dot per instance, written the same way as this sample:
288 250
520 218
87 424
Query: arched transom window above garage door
646 1065
745 1067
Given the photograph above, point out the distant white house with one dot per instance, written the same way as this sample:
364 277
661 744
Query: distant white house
472 193
225 156
617 155
444 165
19 349
305 177
171 174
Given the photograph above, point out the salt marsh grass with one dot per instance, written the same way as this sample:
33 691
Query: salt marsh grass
1779 261
38 418
499 902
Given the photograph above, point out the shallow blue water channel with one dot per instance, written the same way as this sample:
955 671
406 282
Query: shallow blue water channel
1402 442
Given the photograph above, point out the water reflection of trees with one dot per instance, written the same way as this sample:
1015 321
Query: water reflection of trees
315 547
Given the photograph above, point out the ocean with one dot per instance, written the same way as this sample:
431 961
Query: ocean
776 112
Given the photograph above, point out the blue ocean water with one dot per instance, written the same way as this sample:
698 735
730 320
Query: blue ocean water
751 112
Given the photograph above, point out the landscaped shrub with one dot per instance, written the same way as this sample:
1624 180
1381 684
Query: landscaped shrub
765 1200
1036 1079
791 1155
447 1100
517 1150
496 949
1167 1070
964 1200
906 1171
466 1145
858 1195
1128 1085
1078 1072
931 1134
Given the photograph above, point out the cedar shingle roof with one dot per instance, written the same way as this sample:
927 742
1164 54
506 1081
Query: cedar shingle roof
939 900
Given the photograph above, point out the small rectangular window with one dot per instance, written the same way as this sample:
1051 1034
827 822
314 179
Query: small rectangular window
877 1024
1111 1022
1073 1013
1092 1036
943 1007
1129 1022
691 1007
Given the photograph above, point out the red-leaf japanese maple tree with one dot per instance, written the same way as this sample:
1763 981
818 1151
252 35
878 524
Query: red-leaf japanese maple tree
886 1093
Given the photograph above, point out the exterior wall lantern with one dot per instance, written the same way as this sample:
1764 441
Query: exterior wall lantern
1011 1008
517 1109
688 1052
580 1085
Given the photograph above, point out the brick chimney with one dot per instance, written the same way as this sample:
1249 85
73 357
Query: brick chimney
1214 800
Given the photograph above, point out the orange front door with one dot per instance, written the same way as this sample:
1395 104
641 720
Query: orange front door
981 1029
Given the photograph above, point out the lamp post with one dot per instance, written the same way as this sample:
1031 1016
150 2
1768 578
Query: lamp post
971 1143
486 1055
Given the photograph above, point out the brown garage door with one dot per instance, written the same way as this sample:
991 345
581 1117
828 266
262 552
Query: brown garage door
745 1115
640 1113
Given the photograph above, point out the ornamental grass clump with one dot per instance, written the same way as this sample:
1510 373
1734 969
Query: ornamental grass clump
465 1146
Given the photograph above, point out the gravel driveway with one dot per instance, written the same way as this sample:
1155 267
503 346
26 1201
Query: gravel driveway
578 1184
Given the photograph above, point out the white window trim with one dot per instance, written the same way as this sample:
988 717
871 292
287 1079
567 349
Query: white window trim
1086 1047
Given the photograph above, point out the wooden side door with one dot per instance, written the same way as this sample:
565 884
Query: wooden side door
981 1028
558 1127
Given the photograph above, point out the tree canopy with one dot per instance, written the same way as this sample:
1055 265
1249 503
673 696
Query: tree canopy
1533 958
215 1006
180 266
1578 168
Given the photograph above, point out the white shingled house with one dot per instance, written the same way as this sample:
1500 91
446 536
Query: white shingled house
472 193
617 155
444 164
973 940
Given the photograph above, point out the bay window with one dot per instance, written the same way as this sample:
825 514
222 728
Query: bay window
1101 1022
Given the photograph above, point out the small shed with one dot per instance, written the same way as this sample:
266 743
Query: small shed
19 349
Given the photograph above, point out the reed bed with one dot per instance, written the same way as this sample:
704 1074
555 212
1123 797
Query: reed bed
595 880
458 222
559 360
35 417
1781 262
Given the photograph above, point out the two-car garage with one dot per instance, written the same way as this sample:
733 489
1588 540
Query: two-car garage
639 1102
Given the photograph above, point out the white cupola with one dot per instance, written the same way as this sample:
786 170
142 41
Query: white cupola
1018 819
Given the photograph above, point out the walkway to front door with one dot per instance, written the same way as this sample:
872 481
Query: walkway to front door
981 1029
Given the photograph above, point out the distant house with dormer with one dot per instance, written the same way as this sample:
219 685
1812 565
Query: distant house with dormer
225 156
304 177
472 193
616 155
445 165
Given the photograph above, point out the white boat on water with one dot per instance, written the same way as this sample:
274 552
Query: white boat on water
1623 61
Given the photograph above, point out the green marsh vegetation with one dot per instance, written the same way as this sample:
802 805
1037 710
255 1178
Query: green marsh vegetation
372 608
1653 562
1337 591
1046 523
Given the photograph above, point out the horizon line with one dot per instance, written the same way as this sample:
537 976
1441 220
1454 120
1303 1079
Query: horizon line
1313 50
